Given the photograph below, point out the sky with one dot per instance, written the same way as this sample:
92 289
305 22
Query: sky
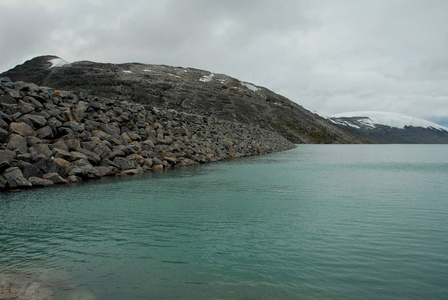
328 56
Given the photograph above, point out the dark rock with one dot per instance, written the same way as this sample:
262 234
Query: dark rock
123 163
21 128
15 178
32 101
72 144
30 170
55 178
33 120
43 149
3 135
6 99
104 171
40 182
7 156
91 156
3 183
32 140
47 165
17 142
45 133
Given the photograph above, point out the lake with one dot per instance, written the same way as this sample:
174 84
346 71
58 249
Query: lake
315 222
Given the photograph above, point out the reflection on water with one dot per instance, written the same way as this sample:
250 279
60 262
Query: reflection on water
316 222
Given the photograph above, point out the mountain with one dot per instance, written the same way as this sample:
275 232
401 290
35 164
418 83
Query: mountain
188 90
391 128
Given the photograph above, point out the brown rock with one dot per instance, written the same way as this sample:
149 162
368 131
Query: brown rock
157 167
21 128
55 177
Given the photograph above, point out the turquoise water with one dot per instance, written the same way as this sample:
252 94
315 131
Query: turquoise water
316 222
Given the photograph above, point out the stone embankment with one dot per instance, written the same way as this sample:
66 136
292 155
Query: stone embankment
49 136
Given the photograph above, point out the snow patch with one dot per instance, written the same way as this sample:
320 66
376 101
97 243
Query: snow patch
58 62
207 78
173 75
344 123
372 118
251 87
147 70
127 72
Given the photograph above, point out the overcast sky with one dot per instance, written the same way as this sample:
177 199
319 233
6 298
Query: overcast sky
329 56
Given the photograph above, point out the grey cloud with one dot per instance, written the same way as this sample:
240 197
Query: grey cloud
329 56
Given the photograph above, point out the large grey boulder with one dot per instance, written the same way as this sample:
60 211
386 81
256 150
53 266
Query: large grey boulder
15 179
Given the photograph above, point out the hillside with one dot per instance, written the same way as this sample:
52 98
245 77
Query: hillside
391 128
185 89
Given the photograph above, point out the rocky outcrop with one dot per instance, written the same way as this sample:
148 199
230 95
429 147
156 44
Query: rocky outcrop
188 90
50 136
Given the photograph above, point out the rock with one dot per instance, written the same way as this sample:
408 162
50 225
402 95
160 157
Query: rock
17 142
135 157
54 177
75 155
6 99
3 183
45 133
32 140
72 144
15 179
62 162
61 145
21 128
129 172
47 165
30 170
74 179
104 171
32 101
33 120
43 149
123 163
91 156
40 182
15 94
7 156
158 167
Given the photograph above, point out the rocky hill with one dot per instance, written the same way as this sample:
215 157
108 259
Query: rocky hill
187 90
392 128
50 136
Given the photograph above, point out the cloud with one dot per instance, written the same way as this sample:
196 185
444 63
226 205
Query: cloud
329 56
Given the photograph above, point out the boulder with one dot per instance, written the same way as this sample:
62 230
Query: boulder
30 170
40 182
45 133
47 165
158 167
43 149
54 177
17 142
21 128
123 163
33 120
6 99
129 172
15 179
61 162
7 156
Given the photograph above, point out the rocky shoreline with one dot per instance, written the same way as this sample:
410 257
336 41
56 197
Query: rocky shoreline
50 136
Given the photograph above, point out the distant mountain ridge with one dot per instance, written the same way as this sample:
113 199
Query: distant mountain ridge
387 127
188 90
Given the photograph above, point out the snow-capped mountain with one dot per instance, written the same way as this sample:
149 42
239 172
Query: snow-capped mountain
387 127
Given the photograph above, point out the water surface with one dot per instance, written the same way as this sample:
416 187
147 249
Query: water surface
316 222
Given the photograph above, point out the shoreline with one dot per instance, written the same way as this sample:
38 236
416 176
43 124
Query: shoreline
50 136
